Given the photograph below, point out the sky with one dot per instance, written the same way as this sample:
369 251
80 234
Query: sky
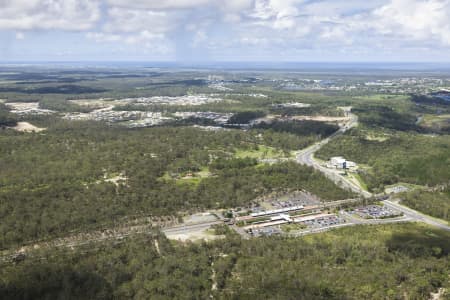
225 30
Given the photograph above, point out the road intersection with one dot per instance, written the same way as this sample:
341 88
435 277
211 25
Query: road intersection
306 157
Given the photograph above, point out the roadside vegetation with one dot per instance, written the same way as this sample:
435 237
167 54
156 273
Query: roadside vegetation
398 157
434 203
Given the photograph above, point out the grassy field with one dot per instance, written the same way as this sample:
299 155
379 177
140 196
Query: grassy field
262 152
360 181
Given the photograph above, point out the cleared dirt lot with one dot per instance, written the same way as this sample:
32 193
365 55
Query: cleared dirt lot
27 127
28 108
193 235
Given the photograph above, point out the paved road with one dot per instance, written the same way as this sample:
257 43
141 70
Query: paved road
306 157
415 215
321 229
327 228
352 221
358 221
338 203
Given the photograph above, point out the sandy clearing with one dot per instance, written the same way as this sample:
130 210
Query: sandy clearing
157 247
195 235
438 295
27 127
376 138
199 218
23 105
24 108
116 180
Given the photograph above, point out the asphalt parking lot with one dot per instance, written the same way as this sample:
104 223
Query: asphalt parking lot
375 212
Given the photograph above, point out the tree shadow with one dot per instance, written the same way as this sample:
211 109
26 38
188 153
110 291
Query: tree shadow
423 242
53 282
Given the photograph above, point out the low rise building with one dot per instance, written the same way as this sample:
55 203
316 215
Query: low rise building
338 162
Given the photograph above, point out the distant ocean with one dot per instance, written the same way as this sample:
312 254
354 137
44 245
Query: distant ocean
345 67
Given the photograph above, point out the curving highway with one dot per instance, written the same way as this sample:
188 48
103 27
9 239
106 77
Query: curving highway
306 157
416 216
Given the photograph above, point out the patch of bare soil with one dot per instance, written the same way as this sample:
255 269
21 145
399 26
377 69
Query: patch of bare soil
194 235
27 127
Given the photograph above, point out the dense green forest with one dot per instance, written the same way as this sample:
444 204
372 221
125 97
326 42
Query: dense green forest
434 102
245 117
433 203
60 89
364 262
6 118
386 117
394 156
54 182
84 177
302 128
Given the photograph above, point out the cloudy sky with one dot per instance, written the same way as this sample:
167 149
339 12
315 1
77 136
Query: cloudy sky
225 30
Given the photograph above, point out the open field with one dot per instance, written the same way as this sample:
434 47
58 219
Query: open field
262 152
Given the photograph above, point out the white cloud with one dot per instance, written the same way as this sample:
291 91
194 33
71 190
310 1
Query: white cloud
419 19
225 5
145 38
340 8
235 6
273 26
20 36
49 14
132 20
141 38
144 41
159 4
254 41
101 37
200 38
278 14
